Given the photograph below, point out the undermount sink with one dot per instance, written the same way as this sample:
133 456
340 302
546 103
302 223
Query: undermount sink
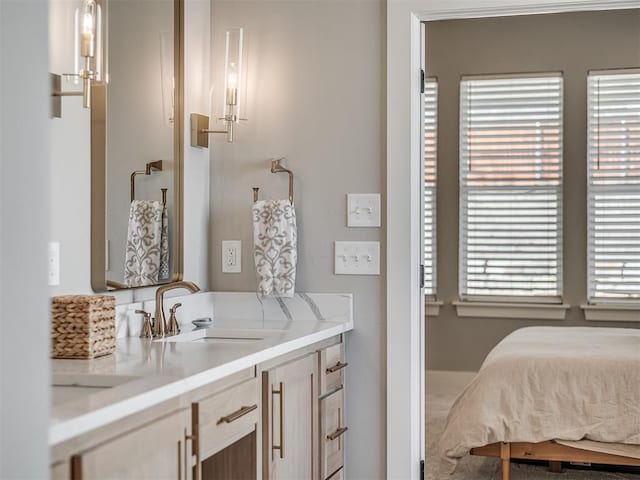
66 387
221 336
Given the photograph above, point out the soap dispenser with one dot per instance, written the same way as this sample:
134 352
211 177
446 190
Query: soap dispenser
173 328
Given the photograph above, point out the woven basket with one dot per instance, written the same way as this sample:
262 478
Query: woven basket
83 326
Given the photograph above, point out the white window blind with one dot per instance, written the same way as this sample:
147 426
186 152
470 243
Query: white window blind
430 106
614 186
511 188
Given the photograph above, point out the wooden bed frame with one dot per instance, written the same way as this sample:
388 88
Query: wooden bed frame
551 452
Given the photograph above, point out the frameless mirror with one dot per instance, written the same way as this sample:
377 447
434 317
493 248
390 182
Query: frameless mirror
136 148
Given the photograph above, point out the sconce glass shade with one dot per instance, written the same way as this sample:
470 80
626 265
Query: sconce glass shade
90 41
168 80
234 92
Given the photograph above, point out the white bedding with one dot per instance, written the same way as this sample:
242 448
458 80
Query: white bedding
551 383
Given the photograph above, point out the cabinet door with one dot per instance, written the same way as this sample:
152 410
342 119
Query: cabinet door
290 426
155 451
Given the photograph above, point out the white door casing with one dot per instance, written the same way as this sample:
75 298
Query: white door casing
404 322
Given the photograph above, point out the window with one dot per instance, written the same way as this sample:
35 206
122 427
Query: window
430 106
511 188
614 186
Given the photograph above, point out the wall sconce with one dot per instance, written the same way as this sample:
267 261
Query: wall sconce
232 97
90 56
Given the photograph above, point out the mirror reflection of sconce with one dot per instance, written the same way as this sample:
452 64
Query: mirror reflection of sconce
232 98
90 55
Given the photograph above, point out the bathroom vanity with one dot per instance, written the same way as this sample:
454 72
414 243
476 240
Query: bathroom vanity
258 395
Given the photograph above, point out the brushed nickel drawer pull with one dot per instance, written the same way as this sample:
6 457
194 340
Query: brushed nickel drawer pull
337 433
336 367
232 417
281 446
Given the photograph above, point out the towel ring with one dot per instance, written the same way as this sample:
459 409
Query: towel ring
155 166
276 167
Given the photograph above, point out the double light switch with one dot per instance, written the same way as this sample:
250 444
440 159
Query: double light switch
363 210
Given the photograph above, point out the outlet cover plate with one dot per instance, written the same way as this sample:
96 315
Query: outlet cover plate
357 258
53 264
231 256
363 210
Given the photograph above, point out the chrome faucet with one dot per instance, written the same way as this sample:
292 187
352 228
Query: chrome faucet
160 324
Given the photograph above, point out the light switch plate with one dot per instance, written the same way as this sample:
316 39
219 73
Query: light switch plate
357 258
231 256
363 210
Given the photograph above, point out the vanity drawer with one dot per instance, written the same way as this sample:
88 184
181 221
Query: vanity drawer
332 367
227 416
332 432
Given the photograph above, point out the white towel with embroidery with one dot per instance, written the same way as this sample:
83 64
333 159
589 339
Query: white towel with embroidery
274 247
144 243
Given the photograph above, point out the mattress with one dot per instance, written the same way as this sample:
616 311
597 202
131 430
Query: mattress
569 384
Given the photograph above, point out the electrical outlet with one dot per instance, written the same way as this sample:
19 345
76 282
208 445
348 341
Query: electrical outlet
231 256
357 258
54 264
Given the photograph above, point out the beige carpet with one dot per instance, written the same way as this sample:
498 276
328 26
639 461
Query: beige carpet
442 390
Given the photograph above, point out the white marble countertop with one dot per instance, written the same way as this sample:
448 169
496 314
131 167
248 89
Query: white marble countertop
142 373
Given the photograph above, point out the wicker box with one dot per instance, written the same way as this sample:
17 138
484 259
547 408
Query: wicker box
83 326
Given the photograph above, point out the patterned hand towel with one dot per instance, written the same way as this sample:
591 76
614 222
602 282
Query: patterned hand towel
144 241
274 247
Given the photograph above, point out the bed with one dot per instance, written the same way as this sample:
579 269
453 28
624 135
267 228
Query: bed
557 394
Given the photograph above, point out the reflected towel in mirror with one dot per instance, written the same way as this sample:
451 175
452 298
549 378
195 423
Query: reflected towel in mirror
146 246
164 246
274 247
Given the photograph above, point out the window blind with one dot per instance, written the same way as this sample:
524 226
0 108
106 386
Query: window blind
614 186
430 122
511 188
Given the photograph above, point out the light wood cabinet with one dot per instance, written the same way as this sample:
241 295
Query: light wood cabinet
155 451
285 423
228 424
332 421
332 368
290 420
332 431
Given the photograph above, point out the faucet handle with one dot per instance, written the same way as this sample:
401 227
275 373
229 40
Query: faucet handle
147 327
173 328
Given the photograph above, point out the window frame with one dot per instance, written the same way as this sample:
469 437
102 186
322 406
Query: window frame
602 308
511 306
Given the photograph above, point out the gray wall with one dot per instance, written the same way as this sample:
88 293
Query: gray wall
24 168
573 43
316 97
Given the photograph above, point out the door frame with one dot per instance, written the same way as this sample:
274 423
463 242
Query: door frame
405 324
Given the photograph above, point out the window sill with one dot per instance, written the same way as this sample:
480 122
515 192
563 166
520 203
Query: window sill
432 308
520 311
611 312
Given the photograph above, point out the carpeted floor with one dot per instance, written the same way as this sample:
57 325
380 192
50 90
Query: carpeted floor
442 390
